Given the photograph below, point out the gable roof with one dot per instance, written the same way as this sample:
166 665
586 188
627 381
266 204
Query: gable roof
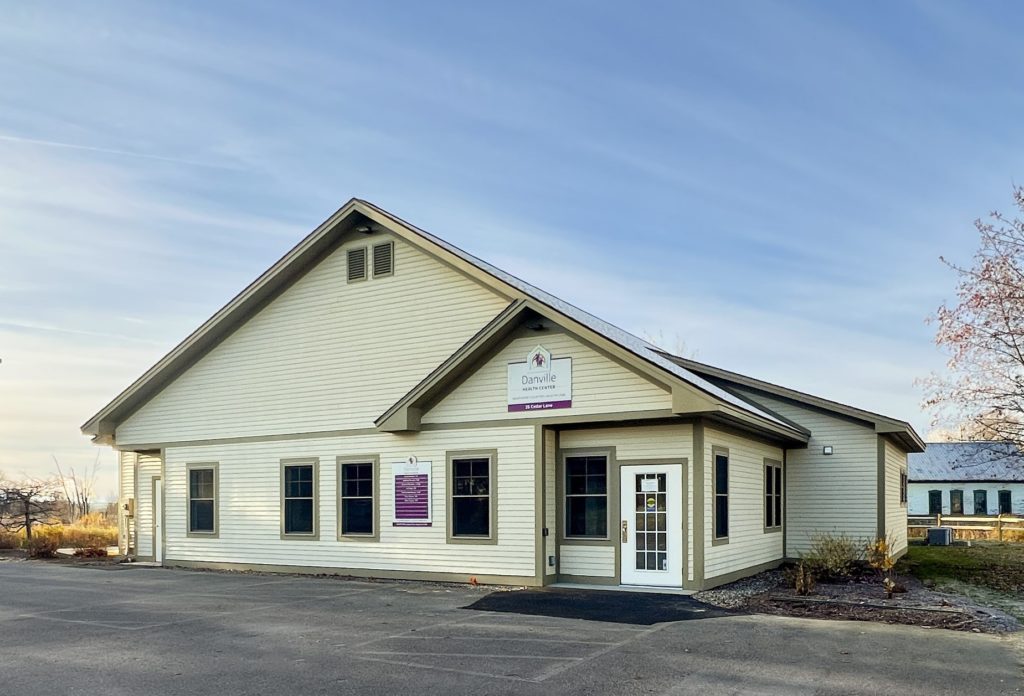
687 397
356 214
899 430
966 461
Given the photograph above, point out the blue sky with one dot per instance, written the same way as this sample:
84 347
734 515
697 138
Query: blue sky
770 184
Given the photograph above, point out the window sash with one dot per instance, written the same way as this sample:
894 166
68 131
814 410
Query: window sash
357 489
956 502
471 497
772 496
980 502
586 497
1005 502
299 499
202 495
935 502
721 505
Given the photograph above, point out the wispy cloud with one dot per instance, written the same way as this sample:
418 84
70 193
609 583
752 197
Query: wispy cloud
773 183
110 151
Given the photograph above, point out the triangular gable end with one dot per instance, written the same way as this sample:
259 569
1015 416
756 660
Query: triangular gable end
473 380
689 390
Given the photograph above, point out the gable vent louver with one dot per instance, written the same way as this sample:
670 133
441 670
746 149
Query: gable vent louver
383 259
356 264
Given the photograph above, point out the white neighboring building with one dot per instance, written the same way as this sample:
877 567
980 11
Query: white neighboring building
967 478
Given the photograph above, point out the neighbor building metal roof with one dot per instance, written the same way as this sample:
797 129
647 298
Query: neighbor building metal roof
966 461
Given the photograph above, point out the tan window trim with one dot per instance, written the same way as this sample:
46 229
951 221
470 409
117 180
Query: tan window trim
491 455
374 461
303 536
776 465
717 451
215 534
611 487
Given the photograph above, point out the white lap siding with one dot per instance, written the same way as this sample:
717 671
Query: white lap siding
249 505
656 444
895 511
599 384
326 355
587 561
126 492
147 469
749 544
828 493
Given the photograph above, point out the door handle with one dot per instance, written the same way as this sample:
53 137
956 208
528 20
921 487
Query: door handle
625 531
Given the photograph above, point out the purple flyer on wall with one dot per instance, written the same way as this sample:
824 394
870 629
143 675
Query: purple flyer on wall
412 493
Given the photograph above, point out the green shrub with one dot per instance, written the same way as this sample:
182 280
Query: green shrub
833 556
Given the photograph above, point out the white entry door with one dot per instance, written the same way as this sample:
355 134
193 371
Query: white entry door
651 528
158 520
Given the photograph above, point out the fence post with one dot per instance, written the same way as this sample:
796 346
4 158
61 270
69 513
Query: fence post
938 520
999 525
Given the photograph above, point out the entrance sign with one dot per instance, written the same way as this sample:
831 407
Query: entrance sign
412 493
540 383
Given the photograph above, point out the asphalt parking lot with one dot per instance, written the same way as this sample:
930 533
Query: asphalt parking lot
133 630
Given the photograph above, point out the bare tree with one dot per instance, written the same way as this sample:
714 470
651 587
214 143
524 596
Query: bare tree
78 489
25 504
676 346
982 391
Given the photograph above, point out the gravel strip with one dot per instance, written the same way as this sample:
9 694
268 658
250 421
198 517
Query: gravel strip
736 594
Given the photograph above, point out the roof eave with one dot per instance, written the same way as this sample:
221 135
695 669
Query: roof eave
901 430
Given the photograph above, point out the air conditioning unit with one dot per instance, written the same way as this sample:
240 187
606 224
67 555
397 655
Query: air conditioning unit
940 536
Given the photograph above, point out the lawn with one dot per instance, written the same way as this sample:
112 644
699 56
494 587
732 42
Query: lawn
987 571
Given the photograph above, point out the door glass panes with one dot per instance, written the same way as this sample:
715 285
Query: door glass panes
651 520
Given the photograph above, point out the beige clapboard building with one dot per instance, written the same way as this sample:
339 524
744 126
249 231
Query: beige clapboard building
380 403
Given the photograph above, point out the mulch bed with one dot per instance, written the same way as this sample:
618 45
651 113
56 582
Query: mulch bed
850 611
861 599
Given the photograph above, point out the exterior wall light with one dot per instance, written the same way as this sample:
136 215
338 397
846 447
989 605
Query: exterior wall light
827 449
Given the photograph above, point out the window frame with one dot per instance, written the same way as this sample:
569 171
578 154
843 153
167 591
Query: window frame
960 495
302 536
491 455
776 468
365 249
1009 501
189 468
372 263
609 488
939 491
904 487
717 452
374 461
975 497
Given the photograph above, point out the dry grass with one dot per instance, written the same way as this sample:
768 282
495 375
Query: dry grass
91 535
1014 535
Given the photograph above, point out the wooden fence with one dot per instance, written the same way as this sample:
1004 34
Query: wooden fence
968 523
